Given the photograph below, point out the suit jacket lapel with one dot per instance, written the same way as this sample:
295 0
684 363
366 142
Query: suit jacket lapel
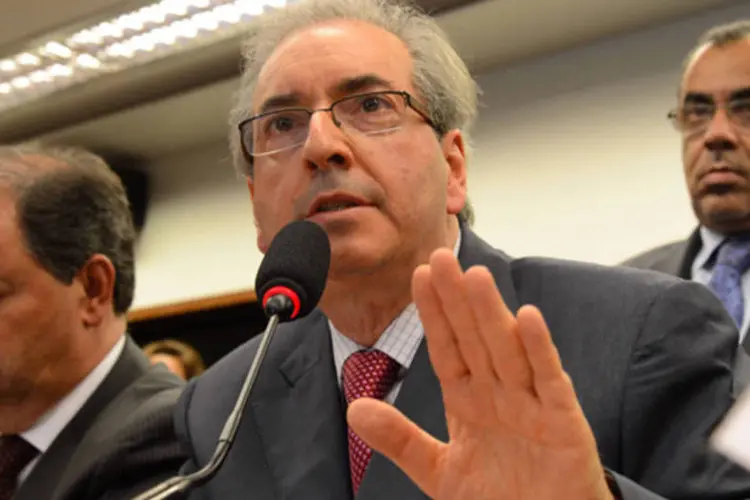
302 424
685 261
55 465
475 252
420 398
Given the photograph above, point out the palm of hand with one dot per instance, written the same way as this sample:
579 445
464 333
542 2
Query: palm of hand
512 448
516 429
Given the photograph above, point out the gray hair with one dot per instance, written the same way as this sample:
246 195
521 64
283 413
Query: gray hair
440 76
718 36
70 205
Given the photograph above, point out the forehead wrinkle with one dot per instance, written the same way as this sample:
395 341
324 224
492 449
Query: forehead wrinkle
710 54
336 30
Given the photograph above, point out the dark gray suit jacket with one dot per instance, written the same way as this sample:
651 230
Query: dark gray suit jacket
677 258
674 258
121 442
651 382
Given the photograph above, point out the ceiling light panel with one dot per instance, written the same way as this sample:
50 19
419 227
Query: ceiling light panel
144 35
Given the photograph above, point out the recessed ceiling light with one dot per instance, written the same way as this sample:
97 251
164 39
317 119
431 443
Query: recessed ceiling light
144 35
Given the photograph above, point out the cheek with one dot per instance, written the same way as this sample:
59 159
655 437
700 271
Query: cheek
274 203
410 168
23 323
273 200
691 152
745 144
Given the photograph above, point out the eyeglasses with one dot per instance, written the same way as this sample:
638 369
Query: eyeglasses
285 129
694 118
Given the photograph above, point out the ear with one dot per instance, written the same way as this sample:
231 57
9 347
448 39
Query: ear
454 151
97 278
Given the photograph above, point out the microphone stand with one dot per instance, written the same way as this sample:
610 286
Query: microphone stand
278 306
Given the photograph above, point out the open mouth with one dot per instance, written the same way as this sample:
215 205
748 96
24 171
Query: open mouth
335 203
335 206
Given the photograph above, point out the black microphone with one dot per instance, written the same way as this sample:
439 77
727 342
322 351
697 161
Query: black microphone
289 284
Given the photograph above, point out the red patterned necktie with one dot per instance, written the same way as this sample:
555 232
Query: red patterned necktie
15 454
368 374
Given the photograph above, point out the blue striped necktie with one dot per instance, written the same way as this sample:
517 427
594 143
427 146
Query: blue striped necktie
726 282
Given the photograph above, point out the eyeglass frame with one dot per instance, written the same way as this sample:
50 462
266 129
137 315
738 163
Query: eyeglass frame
674 115
409 102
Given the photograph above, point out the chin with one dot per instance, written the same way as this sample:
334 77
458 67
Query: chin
359 256
345 264
725 215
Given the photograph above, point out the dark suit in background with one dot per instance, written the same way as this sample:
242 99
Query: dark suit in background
120 442
674 258
715 150
650 358
677 258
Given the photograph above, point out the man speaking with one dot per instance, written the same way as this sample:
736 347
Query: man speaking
499 378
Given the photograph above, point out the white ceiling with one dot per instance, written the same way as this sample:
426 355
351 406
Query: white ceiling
183 102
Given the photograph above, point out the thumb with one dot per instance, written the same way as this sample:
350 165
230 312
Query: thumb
387 431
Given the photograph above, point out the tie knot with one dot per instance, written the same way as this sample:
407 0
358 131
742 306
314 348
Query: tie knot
369 374
734 253
15 454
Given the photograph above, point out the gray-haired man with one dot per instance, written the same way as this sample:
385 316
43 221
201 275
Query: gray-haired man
353 114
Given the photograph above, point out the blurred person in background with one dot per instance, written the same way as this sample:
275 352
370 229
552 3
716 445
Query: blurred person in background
83 414
436 365
713 117
180 358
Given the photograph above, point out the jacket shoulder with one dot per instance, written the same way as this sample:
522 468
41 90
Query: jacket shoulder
657 258
130 445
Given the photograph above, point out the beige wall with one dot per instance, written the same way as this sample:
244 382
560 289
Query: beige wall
574 158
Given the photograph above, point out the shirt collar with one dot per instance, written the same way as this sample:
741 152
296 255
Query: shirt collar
44 432
400 340
710 242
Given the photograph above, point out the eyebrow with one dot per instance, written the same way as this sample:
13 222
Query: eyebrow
702 98
346 86
740 94
698 98
279 101
361 83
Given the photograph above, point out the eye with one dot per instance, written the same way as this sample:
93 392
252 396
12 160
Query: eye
742 109
697 113
372 104
280 123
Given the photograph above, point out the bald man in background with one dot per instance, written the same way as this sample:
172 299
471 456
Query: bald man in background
713 117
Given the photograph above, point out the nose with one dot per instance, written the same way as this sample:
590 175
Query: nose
720 135
326 145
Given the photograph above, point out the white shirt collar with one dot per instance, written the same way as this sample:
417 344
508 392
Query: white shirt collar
44 432
710 241
400 340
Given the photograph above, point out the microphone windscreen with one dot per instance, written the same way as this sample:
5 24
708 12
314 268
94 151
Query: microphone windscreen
298 258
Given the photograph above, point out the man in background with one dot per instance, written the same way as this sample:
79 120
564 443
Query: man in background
83 415
713 116
498 378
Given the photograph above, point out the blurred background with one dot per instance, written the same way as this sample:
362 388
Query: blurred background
573 154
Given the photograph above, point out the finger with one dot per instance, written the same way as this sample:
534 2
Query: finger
551 383
447 281
390 433
441 345
499 330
